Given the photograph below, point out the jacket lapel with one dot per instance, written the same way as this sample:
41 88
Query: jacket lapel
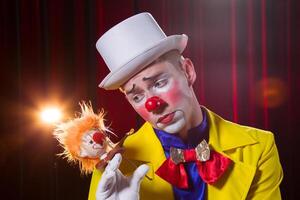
226 137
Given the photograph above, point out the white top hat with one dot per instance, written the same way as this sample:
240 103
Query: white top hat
131 45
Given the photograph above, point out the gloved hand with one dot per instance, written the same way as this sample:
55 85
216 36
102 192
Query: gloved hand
115 186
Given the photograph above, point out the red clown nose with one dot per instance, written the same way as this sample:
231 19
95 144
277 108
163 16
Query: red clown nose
98 137
154 103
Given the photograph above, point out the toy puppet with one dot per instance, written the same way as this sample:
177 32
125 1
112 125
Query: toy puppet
85 139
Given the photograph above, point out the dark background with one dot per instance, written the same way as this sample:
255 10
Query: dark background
246 53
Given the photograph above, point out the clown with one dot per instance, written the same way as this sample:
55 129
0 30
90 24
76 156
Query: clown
185 150
85 140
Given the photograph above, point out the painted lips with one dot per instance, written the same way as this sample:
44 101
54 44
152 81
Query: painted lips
166 119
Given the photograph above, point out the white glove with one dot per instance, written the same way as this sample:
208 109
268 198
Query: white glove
115 186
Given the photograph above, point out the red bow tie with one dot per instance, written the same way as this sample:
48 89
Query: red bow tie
211 165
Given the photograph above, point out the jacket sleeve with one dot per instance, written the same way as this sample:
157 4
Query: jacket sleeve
269 174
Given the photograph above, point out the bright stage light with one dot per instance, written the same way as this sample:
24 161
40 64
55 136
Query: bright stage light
51 115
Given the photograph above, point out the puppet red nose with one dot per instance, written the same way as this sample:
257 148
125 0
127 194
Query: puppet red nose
154 103
98 137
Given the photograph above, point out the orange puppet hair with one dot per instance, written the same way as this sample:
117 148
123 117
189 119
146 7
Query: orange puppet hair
69 135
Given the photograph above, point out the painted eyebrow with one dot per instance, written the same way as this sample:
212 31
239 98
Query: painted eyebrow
131 90
151 78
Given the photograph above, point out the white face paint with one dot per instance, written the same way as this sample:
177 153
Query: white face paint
169 83
89 148
175 125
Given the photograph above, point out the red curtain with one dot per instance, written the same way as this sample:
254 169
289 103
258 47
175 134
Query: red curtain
246 55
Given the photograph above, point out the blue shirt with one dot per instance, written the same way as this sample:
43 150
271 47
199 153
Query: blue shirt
197 186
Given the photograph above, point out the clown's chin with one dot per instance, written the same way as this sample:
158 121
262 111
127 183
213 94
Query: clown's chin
175 126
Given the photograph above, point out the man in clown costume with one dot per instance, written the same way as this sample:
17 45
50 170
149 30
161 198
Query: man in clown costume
184 150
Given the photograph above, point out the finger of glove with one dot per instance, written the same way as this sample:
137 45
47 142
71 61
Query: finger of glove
109 173
107 179
138 175
114 164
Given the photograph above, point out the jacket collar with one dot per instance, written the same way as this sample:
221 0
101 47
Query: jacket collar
225 135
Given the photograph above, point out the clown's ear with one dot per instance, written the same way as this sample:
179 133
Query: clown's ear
189 71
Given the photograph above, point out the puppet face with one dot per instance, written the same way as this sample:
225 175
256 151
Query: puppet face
93 144
169 84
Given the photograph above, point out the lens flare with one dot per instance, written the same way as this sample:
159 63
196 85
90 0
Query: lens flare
51 115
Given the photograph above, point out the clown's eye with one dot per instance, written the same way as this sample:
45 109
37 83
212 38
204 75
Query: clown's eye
138 97
160 83
91 142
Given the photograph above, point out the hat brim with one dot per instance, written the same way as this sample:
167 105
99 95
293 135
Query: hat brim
117 78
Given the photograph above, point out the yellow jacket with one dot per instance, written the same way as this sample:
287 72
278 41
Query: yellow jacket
255 173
